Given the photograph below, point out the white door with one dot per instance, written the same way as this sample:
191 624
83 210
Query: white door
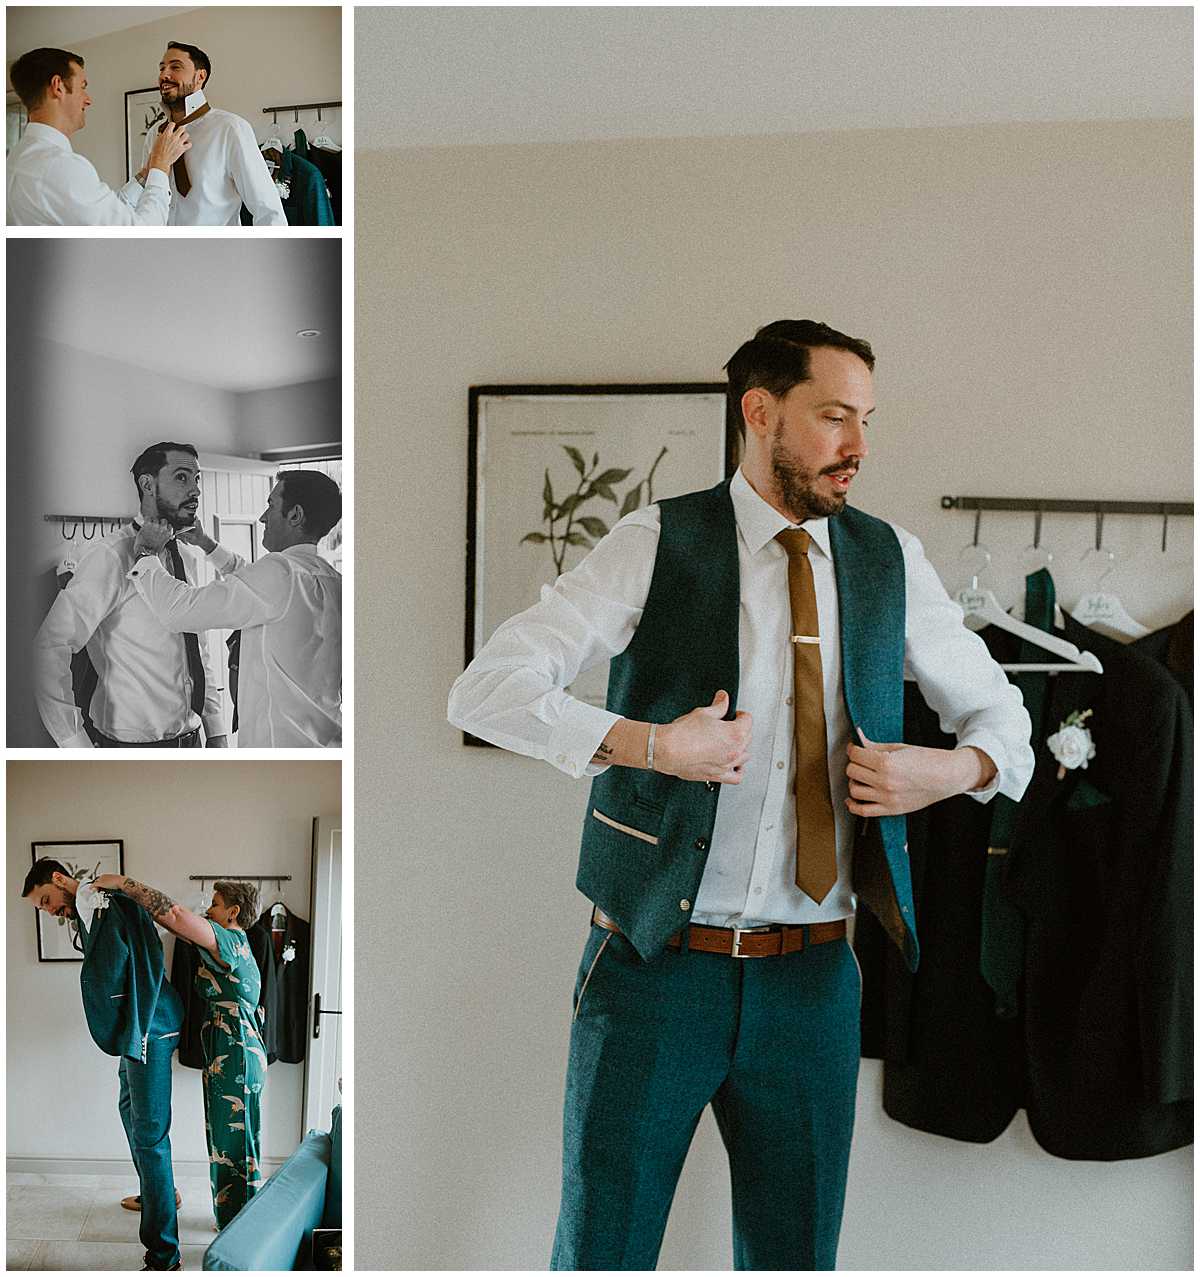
323 1067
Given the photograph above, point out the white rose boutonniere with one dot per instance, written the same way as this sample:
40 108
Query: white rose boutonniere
1072 745
289 951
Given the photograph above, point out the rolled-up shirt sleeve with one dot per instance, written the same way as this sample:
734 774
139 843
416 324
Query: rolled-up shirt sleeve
960 681
513 693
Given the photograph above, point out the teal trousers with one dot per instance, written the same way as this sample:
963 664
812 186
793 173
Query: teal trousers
771 1043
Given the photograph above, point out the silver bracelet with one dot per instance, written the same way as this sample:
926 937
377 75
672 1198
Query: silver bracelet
650 747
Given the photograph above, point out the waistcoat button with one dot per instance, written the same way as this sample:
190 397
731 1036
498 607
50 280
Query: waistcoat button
701 844
685 905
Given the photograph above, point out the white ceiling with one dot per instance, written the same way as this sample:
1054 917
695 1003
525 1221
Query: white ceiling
446 76
38 26
222 312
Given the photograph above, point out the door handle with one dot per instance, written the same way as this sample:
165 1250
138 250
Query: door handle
318 1013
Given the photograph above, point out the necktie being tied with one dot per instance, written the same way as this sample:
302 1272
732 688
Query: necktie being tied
816 839
183 183
191 642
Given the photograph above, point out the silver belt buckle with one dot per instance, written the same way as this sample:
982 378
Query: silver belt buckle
738 933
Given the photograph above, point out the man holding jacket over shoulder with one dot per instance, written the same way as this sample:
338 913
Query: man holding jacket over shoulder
132 1012
713 835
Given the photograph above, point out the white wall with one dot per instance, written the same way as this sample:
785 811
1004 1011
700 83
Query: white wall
77 421
261 56
1027 291
176 819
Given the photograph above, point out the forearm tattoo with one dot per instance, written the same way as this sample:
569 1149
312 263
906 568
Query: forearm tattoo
154 902
603 754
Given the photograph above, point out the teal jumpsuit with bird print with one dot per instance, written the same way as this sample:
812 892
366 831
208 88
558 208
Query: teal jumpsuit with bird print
235 1070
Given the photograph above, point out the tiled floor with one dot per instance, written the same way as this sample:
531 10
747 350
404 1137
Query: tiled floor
76 1222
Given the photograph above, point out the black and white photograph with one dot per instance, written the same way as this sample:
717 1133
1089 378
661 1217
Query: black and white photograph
221 115
174 509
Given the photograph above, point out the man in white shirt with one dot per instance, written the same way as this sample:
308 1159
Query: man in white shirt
224 168
48 184
154 687
287 605
713 835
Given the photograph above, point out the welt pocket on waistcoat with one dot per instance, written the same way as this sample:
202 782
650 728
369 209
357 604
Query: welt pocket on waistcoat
623 828
648 804
114 996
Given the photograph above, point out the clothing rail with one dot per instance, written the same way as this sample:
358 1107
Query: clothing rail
89 518
1038 506
302 106
1053 505
240 877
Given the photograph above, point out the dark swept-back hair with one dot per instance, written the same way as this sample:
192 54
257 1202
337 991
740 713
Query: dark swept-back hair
199 58
316 494
42 872
776 358
32 72
155 457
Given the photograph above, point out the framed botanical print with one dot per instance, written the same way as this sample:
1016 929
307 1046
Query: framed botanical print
551 469
56 936
143 112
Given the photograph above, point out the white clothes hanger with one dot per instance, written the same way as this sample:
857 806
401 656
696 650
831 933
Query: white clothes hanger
323 140
1100 610
980 608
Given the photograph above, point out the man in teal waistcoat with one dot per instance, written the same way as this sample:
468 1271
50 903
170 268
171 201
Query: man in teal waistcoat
133 1012
750 788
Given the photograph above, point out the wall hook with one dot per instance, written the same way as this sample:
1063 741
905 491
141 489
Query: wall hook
1037 529
1099 528
978 517
87 536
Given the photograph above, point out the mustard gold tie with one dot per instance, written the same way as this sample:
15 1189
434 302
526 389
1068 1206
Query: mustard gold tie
183 183
816 839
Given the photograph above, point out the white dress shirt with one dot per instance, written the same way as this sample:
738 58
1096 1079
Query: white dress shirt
288 606
49 185
226 170
145 690
513 695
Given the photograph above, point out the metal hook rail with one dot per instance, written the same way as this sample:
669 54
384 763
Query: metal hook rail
240 877
1054 505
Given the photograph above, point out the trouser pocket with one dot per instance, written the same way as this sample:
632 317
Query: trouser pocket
592 953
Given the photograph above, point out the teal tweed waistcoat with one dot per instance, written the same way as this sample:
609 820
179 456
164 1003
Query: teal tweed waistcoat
646 836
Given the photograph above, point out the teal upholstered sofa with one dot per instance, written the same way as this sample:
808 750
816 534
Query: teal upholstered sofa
273 1231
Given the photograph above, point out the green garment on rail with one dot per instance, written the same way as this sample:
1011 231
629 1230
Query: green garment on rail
235 1070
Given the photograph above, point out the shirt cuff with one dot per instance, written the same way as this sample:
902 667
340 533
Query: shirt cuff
214 725
577 736
143 565
1002 781
155 177
221 558
81 740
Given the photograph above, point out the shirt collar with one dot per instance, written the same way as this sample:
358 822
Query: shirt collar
48 133
194 101
759 522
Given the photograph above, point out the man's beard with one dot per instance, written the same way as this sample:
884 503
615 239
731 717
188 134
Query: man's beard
176 515
184 91
796 485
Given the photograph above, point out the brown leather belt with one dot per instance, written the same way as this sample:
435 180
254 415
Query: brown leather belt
757 942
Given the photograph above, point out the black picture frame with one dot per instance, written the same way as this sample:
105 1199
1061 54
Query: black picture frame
138 121
109 852
722 448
